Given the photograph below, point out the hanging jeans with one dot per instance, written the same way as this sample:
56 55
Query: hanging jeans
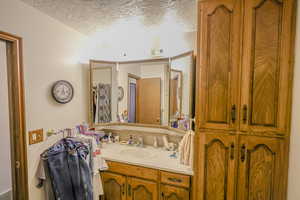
69 171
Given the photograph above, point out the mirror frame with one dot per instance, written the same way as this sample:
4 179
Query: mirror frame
166 60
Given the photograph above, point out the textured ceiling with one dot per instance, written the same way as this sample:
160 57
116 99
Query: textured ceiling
89 16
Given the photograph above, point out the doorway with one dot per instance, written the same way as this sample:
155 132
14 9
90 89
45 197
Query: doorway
13 180
132 97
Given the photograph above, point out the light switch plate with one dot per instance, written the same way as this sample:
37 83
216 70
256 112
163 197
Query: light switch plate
36 136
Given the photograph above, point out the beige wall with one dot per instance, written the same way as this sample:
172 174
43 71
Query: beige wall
5 169
51 52
294 168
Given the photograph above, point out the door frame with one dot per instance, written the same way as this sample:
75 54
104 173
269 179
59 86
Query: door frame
16 115
132 76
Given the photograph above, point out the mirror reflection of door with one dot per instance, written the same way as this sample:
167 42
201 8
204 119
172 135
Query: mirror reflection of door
149 101
132 100
5 149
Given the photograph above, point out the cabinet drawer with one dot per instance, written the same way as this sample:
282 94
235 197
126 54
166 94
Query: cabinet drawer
175 179
132 170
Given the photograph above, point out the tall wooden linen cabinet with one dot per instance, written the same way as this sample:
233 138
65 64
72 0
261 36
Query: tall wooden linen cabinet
244 85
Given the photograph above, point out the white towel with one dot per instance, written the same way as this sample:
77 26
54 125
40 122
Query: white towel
186 149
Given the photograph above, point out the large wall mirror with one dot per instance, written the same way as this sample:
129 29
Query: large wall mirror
156 92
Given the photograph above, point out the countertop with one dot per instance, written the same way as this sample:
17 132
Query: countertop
147 156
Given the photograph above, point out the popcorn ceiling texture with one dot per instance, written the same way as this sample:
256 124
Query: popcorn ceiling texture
89 16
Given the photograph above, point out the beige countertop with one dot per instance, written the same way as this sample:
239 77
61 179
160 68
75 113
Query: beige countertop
148 156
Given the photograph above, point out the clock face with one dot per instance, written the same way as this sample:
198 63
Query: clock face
62 91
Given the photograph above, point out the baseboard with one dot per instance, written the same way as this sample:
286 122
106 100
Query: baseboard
6 195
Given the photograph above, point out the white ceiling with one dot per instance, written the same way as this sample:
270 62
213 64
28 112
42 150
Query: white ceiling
90 16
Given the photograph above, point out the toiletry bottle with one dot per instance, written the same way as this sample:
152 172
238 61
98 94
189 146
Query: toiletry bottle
155 142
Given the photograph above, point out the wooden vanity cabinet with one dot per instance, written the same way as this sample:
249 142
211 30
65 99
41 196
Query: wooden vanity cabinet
130 182
219 64
243 99
169 192
139 189
219 166
245 65
258 162
114 186
267 70
261 168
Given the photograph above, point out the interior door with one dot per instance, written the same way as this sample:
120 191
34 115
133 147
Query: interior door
266 76
149 101
219 64
139 189
260 169
6 172
174 193
220 160
114 186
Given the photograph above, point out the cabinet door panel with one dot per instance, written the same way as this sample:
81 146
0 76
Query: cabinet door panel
174 193
139 189
219 167
266 67
219 37
260 168
114 186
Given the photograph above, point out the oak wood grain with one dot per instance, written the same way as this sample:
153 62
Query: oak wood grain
218 60
114 186
139 189
266 67
132 170
174 193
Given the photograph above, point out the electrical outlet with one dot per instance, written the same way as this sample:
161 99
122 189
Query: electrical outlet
36 136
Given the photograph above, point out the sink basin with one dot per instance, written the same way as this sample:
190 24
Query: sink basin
137 153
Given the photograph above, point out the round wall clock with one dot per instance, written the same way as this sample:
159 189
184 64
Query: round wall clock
120 93
62 91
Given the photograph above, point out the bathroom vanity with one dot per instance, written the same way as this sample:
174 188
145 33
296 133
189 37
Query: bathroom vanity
124 181
151 100
144 174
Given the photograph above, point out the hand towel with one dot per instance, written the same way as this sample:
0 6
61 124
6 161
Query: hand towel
186 149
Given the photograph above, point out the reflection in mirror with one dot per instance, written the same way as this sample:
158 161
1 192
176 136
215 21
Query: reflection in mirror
102 92
145 88
175 93
147 92
181 91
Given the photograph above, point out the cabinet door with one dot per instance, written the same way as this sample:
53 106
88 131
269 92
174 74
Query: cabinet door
114 186
174 193
220 158
139 189
266 75
218 64
260 174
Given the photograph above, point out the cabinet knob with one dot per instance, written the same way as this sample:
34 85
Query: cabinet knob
243 153
232 151
245 113
175 180
233 113
123 189
129 190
